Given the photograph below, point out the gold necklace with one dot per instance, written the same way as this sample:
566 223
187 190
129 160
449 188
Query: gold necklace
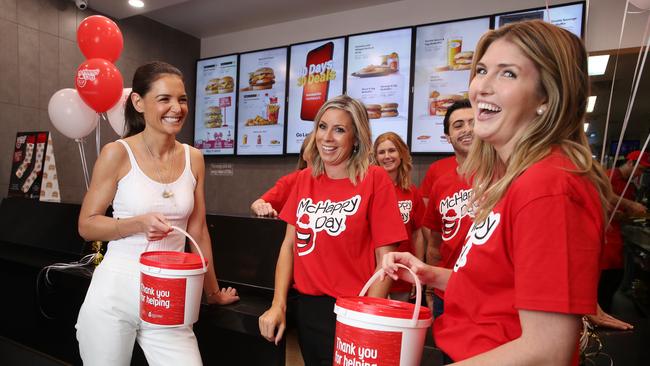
167 193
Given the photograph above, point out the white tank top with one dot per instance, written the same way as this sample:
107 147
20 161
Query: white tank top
138 194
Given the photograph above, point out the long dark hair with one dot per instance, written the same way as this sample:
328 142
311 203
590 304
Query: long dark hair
144 76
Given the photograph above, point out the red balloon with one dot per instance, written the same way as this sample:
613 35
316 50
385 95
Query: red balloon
100 37
99 84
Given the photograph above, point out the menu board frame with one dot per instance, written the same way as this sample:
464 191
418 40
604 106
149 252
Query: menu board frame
496 16
227 100
381 105
442 84
294 89
268 108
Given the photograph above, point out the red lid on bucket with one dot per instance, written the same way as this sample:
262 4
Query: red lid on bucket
382 307
172 260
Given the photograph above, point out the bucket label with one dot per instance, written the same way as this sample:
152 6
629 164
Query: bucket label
162 300
365 347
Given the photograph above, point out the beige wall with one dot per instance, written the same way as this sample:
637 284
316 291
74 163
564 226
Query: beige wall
39 55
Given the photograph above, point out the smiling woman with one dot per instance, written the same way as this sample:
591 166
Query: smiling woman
540 201
342 216
153 183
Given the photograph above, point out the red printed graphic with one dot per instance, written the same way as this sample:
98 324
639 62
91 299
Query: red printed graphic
162 300
364 347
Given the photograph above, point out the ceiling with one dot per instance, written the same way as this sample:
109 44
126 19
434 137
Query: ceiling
205 18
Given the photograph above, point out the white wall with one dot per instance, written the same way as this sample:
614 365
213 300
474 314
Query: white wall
603 27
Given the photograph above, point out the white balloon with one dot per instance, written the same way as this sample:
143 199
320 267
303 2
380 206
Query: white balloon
641 4
70 115
116 113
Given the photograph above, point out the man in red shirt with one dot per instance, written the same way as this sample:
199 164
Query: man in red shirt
611 262
448 213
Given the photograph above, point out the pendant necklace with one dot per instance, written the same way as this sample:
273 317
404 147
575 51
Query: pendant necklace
167 193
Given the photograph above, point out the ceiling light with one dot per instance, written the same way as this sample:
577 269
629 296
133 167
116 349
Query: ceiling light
591 103
136 3
586 126
597 64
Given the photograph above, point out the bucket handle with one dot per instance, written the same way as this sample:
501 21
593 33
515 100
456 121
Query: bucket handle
418 290
198 248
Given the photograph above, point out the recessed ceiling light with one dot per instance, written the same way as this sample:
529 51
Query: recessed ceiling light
136 3
591 103
586 126
597 64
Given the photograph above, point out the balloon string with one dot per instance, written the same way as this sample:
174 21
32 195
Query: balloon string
98 140
629 180
633 97
611 91
84 167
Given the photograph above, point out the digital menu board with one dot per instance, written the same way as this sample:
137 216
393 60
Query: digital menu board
443 59
214 123
315 75
378 74
568 17
260 119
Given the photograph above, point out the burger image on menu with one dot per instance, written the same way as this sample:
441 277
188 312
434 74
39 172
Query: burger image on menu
389 110
439 103
374 111
463 60
212 87
213 117
260 79
226 85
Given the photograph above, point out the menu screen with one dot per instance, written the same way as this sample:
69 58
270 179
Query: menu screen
315 75
214 124
568 17
379 67
260 120
443 59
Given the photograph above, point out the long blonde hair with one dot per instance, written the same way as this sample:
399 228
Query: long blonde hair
404 170
561 59
359 160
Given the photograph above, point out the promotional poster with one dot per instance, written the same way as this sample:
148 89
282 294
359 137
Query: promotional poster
315 75
216 84
443 59
378 72
260 121
27 164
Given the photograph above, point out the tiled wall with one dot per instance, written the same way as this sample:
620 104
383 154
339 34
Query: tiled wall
39 55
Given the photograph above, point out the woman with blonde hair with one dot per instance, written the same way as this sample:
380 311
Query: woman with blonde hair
529 266
391 153
341 218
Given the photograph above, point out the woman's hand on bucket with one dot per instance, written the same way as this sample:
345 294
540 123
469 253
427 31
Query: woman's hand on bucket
273 318
390 260
155 226
224 296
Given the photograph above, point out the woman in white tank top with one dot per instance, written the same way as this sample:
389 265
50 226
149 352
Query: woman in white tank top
154 182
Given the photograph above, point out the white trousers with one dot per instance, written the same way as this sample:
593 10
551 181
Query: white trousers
109 322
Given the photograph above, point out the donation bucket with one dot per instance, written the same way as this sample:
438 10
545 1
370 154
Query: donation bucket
171 284
381 332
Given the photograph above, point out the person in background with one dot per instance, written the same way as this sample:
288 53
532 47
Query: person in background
612 258
448 214
391 153
341 218
528 270
274 199
153 182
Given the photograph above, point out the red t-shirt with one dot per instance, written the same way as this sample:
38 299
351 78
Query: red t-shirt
449 214
538 250
612 257
278 194
338 226
437 169
411 206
